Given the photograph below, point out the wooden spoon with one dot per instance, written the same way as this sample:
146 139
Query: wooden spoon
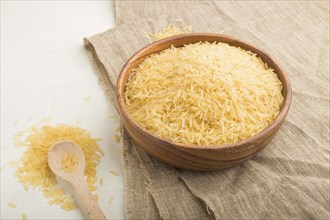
76 178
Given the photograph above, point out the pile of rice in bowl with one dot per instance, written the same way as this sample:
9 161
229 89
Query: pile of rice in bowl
204 94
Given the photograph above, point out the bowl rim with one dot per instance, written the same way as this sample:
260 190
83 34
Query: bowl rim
277 121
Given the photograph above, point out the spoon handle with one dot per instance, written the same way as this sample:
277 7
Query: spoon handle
92 209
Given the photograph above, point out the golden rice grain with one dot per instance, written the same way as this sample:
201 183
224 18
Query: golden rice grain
113 172
13 164
119 151
19 143
45 120
11 205
117 138
110 200
87 98
168 31
78 121
112 117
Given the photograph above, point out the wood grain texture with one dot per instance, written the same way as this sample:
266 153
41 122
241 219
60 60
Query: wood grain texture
89 206
202 158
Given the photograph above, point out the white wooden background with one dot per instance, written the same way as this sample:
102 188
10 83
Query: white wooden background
45 72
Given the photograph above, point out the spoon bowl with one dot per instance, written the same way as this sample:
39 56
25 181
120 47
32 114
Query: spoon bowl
55 159
89 206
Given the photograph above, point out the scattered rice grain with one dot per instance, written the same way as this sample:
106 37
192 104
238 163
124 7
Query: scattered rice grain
110 200
13 164
11 205
112 117
78 121
87 98
168 31
117 138
113 172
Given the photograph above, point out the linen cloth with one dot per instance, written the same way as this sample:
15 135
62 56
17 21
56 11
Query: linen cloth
290 177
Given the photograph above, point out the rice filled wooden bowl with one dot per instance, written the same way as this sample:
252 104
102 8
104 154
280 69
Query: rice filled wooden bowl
202 101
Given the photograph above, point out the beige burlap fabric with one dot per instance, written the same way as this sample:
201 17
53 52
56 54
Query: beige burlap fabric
290 177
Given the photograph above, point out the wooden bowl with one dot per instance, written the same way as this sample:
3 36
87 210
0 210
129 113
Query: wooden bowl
193 157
